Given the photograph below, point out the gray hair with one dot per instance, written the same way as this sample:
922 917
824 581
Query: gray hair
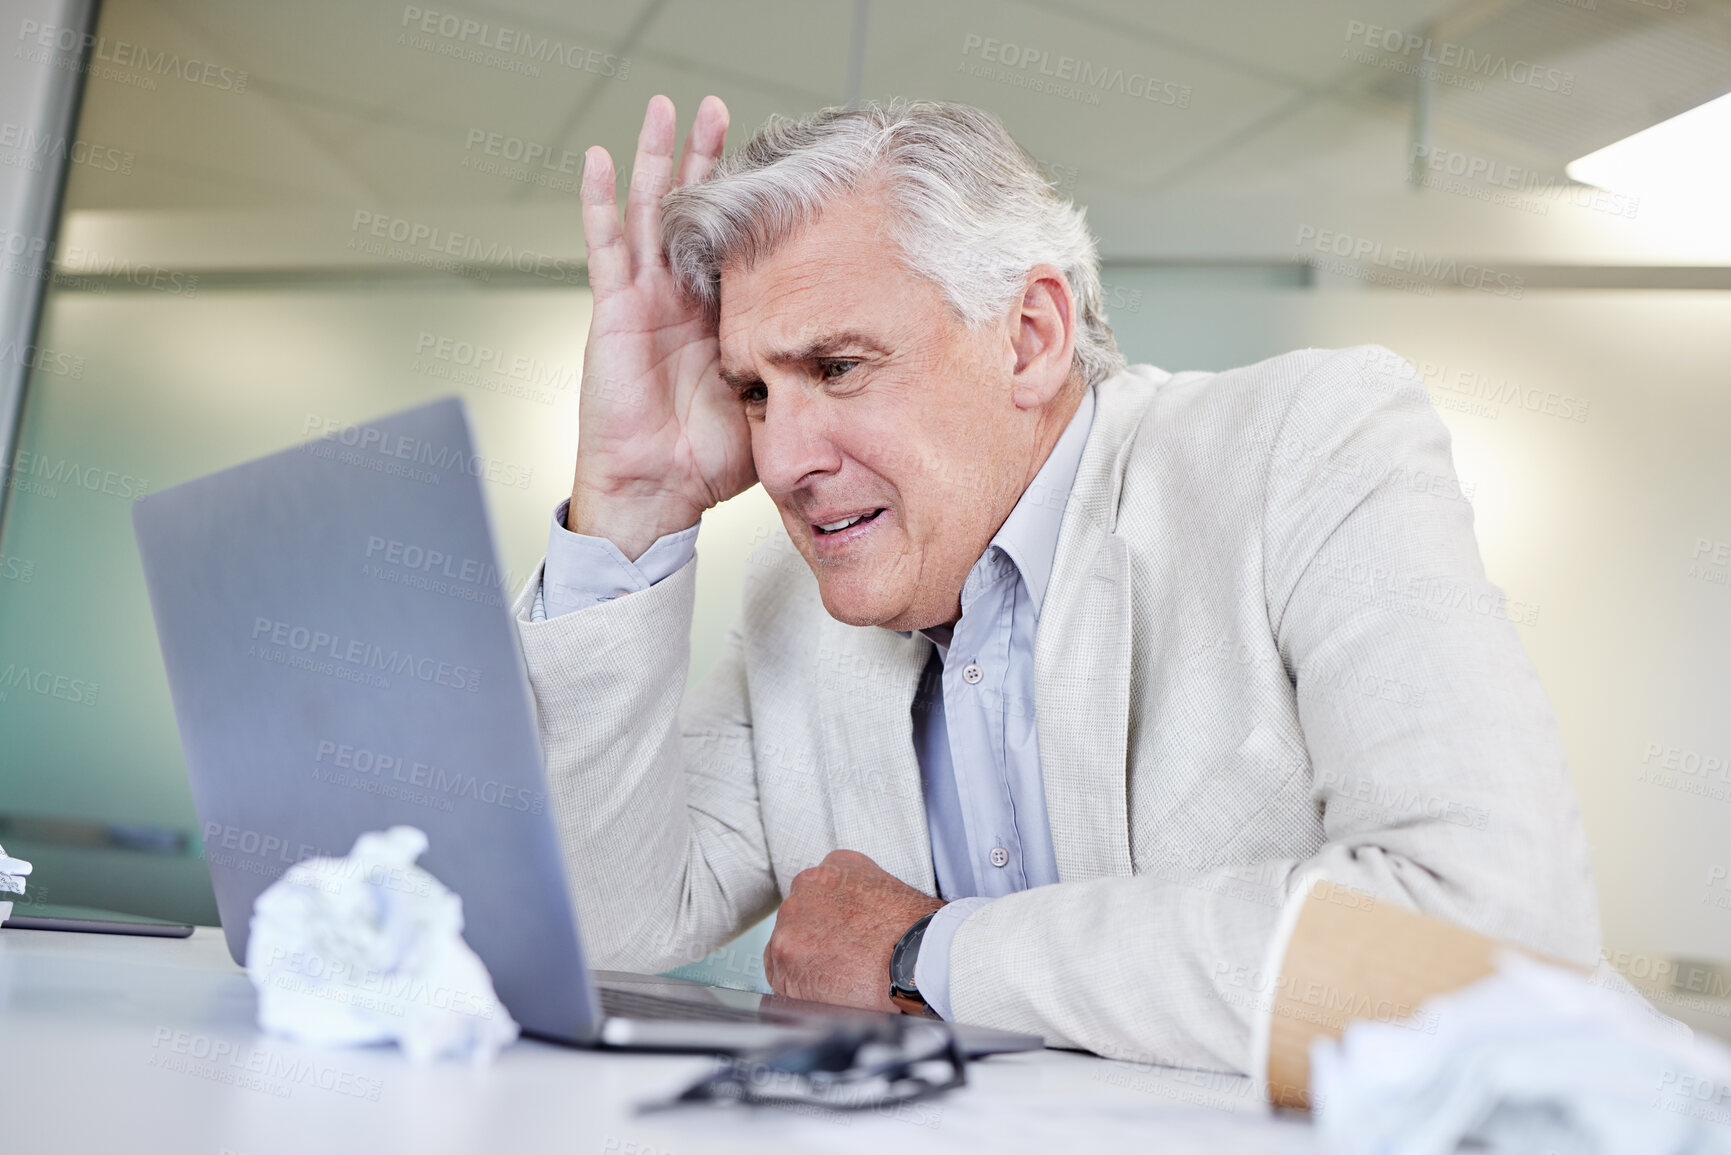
970 210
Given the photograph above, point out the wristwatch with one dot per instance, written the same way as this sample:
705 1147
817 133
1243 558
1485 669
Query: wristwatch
904 992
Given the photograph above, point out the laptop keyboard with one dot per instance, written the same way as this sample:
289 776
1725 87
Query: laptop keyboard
622 1003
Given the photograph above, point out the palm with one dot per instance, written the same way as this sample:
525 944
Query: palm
658 429
653 362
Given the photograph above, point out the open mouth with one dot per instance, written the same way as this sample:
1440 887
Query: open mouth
846 523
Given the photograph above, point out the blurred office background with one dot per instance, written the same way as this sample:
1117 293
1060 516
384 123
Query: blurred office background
278 218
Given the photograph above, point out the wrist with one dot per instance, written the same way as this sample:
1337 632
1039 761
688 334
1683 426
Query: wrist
904 958
632 522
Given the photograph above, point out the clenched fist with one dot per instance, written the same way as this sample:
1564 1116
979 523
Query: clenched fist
835 931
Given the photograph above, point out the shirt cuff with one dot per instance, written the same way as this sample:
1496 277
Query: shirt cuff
932 967
584 571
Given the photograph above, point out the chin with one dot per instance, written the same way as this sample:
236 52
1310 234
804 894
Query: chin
857 603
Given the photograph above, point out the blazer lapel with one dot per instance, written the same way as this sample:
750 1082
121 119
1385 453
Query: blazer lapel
1082 705
874 775
1082 653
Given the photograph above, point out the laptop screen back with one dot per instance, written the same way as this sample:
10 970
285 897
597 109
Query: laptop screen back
341 654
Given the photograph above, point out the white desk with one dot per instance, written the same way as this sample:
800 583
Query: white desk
116 1044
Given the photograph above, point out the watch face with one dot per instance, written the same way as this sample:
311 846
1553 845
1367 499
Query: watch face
901 968
906 954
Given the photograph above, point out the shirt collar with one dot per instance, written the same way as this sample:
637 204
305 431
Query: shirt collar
1030 534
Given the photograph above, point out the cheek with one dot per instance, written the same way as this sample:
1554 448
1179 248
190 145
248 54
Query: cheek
936 504
932 476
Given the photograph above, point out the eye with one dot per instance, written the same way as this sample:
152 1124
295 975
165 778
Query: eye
754 394
834 368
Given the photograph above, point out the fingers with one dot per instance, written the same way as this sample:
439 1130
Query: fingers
614 252
825 876
703 143
769 975
609 263
781 959
651 177
787 967
848 860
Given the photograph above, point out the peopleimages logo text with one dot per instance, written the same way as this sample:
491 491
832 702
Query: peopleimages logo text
159 62
374 443
1446 270
30 147
47 684
43 474
514 42
364 655
1070 70
413 772
440 242
1461 58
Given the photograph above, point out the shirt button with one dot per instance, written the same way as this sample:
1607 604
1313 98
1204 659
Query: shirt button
971 674
1000 856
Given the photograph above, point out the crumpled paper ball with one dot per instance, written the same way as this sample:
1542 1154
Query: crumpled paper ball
13 871
1532 1059
369 949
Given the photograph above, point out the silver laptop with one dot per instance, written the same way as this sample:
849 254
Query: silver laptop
342 658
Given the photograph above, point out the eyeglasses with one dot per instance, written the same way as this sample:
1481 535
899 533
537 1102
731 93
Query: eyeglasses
854 1067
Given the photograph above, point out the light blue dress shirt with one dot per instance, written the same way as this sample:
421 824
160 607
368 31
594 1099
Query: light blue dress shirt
973 717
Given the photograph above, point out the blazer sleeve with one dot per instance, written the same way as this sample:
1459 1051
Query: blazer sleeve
1449 794
653 788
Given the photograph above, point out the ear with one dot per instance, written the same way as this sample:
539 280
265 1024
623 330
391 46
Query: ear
1043 336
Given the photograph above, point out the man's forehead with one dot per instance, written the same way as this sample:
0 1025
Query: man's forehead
795 320
835 274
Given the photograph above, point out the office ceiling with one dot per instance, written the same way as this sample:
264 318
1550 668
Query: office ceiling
1266 112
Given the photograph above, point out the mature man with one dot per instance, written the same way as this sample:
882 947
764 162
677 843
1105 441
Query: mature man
1091 664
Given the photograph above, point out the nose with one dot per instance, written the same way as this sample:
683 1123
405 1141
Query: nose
793 445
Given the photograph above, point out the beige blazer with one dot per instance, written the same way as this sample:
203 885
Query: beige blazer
1268 649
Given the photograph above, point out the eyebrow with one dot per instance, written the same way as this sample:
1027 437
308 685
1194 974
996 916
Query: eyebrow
827 345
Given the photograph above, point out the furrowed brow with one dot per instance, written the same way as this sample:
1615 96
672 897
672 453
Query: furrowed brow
825 345
738 379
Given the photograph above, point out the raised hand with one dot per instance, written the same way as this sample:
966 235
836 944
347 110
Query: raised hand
660 437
